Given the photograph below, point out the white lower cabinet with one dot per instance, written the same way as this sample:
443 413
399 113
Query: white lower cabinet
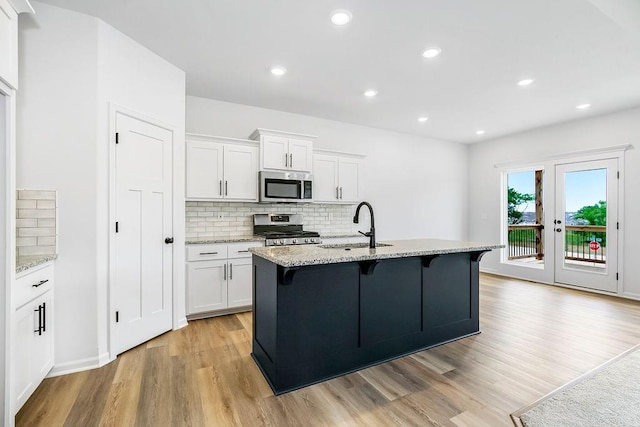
32 349
219 277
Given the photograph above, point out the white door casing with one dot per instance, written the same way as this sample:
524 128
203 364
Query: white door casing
142 283
601 277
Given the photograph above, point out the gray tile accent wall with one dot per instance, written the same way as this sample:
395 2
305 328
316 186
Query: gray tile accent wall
219 220
36 222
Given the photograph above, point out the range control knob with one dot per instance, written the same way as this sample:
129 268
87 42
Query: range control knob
294 241
306 240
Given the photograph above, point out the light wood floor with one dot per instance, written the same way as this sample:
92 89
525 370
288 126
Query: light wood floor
534 339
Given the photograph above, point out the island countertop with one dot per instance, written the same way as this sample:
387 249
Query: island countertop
301 255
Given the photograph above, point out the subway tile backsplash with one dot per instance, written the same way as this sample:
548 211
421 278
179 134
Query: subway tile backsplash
220 220
36 214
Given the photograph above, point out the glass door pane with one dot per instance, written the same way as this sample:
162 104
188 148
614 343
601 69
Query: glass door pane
585 224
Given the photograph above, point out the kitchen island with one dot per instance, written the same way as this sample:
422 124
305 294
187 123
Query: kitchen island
324 311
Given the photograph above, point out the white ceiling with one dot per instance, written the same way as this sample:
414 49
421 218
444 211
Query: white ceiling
578 51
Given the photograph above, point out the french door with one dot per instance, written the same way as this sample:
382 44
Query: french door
586 223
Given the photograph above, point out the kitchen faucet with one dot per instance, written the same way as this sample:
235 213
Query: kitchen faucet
372 233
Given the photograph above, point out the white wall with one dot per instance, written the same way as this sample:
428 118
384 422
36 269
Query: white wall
417 186
73 69
57 149
599 132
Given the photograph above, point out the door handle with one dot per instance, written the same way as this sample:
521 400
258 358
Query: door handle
44 317
558 229
168 240
230 271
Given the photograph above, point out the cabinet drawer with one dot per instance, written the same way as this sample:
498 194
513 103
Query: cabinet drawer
206 252
32 283
241 249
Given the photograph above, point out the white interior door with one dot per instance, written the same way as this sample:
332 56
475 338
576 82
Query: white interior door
586 235
143 270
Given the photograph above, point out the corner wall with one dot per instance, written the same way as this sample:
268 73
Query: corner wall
74 68
417 186
599 132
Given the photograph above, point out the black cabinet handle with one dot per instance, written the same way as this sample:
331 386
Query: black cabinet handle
168 240
230 271
208 253
226 188
44 317
40 283
242 252
39 330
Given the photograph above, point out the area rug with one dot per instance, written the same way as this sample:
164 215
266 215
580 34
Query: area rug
609 395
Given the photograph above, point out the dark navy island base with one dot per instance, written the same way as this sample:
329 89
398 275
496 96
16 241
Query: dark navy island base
315 322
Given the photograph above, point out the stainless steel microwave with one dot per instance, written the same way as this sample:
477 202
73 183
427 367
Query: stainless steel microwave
285 187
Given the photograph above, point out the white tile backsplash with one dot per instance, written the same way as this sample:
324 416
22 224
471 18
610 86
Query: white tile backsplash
221 220
36 212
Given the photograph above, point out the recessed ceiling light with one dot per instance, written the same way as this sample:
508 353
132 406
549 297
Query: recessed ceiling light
583 106
423 119
341 17
480 132
431 52
278 71
370 93
525 82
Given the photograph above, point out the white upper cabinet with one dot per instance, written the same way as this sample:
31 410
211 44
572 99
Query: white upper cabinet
221 168
284 150
336 177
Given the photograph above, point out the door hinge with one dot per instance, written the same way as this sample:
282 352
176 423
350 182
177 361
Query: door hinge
116 226
117 138
117 316
617 226
618 175
616 276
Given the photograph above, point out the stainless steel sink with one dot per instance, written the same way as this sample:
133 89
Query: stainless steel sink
349 246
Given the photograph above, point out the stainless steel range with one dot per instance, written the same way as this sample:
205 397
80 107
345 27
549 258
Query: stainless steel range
283 229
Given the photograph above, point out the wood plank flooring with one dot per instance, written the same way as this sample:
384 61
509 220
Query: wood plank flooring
534 339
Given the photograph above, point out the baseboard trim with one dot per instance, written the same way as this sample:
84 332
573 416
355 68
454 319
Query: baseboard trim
79 365
181 323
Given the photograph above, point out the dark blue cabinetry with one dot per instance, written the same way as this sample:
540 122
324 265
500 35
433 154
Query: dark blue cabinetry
316 322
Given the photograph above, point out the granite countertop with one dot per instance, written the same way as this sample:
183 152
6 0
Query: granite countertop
295 256
254 238
24 263
251 238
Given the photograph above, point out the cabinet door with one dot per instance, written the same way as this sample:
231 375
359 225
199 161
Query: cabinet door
349 179
25 323
325 178
204 170
240 282
300 155
274 149
43 344
241 172
8 43
206 286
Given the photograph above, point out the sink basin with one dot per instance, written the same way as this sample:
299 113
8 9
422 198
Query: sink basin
349 246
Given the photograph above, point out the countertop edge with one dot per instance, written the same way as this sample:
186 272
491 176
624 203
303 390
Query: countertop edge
335 258
25 263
